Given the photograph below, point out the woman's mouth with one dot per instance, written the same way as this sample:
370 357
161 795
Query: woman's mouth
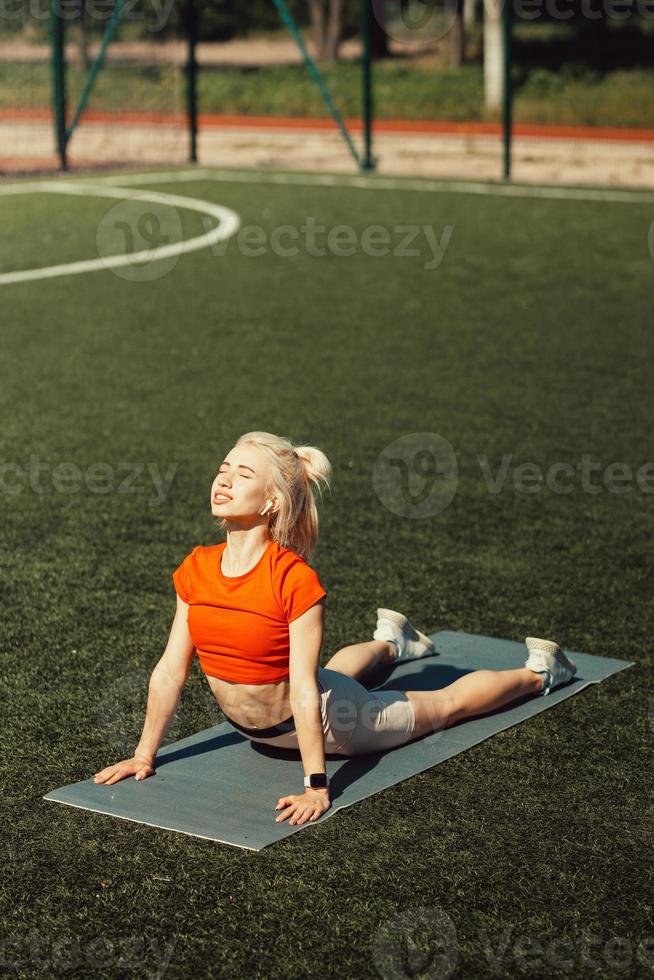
220 498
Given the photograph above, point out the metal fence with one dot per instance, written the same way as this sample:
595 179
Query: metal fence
448 88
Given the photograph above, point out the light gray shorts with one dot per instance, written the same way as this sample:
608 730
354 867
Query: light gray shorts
355 720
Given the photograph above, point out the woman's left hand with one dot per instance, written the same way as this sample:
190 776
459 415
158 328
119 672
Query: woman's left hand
306 806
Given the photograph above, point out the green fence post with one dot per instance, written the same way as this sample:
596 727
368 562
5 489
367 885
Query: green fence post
291 23
507 94
109 32
191 79
58 80
367 163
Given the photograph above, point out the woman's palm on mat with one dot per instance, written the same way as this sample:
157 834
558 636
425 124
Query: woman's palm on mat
137 766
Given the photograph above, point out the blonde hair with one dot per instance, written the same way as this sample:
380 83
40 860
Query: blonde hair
295 470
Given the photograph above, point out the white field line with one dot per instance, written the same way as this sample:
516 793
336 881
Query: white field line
229 223
608 195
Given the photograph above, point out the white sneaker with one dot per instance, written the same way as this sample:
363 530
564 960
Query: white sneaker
547 655
409 642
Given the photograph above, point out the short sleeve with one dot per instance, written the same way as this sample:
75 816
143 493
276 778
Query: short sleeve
182 578
301 588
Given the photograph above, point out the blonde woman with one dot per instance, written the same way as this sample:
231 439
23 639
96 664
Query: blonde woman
253 608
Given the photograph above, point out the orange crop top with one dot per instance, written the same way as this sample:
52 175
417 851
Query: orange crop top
239 623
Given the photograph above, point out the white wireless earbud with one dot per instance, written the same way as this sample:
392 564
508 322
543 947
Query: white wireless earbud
266 508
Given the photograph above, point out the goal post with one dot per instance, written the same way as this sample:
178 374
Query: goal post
116 109
364 161
188 13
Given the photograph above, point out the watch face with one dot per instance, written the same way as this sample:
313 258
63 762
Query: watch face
318 780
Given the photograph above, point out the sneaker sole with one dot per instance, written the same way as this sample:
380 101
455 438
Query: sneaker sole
409 630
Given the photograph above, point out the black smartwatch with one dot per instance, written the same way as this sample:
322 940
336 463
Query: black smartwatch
317 780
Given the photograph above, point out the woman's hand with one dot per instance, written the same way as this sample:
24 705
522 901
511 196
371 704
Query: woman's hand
305 806
139 766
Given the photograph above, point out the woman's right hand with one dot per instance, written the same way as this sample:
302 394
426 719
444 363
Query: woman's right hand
139 766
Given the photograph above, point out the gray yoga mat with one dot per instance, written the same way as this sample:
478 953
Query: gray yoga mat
218 785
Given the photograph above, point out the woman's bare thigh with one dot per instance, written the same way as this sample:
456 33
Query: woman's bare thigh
434 711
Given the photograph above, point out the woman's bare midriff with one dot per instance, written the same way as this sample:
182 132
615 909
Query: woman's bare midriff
253 705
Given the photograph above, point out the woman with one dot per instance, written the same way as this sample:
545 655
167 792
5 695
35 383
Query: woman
253 608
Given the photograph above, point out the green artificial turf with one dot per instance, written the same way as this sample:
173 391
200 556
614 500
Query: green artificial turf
531 340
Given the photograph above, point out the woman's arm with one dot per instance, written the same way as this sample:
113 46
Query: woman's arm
305 637
166 683
175 662
164 692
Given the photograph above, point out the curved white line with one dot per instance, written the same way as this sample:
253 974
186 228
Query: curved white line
229 223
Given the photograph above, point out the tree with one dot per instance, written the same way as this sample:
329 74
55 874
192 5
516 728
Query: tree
455 38
327 27
378 35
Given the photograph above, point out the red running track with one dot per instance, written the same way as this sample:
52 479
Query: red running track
307 123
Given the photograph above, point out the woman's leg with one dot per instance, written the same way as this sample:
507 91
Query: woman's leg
476 693
359 658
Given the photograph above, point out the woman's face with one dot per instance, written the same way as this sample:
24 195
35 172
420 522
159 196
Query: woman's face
239 488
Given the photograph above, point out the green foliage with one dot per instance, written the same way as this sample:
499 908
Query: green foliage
221 20
544 84
620 98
